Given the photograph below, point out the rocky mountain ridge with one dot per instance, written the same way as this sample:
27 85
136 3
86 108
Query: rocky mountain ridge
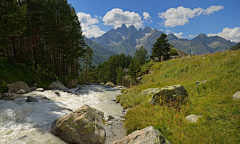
127 40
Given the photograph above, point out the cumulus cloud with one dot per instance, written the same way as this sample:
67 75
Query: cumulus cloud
212 9
146 16
116 17
179 35
229 34
87 23
181 15
168 31
192 36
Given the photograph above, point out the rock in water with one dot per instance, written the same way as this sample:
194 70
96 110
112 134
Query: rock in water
14 87
111 84
57 85
72 83
21 91
82 126
40 89
174 93
57 93
236 96
31 99
148 135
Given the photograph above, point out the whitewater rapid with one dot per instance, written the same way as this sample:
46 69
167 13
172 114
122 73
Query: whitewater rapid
24 122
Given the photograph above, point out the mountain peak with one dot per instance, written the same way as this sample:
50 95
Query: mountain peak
123 26
171 36
147 29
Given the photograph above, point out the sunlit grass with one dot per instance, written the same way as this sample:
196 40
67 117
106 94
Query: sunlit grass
220 122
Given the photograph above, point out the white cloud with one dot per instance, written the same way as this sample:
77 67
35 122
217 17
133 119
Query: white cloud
212 9
179 35
168 31
92 31
146 16
116 17
86 19
88 27
179 16
192 36
229 34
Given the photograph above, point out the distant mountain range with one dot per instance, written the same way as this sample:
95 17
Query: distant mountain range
128 40
100 54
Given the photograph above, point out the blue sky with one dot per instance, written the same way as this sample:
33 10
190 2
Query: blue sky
184 18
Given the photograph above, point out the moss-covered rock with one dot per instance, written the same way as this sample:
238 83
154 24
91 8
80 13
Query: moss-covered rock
81 126
174 93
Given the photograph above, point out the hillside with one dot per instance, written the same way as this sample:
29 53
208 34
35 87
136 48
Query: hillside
128 40
236 47
12 72
213 100
100 54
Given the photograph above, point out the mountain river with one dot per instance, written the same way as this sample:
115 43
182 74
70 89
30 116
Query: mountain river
24 122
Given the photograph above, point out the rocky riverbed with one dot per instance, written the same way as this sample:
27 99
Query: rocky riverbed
30 122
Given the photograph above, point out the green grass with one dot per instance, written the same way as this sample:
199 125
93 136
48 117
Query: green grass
12 72
220 122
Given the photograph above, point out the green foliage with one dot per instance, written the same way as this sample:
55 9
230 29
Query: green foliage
120 75
236 47
12 72
141 55
134 68
173 52
112 70
161 48
45 33
213 100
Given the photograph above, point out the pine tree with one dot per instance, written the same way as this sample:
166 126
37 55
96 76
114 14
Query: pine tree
120 75
88 62
134 68
141 55
161 48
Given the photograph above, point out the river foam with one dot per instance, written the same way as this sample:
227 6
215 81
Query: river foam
28 123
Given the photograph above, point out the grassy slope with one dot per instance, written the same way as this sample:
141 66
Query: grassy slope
213 100
11 72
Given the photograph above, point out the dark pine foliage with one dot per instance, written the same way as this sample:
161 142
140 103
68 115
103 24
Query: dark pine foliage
44 33
161 48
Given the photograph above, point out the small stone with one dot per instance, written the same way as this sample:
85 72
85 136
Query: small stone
40 89
203 57
33 88
57 93
236 96
8 94
193 118
31 99
21 91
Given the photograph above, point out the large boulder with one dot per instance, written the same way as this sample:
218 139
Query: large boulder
148 135
14 87
82 126
111 84
72 83
174 93
150 91
57 85
236 96
128 83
